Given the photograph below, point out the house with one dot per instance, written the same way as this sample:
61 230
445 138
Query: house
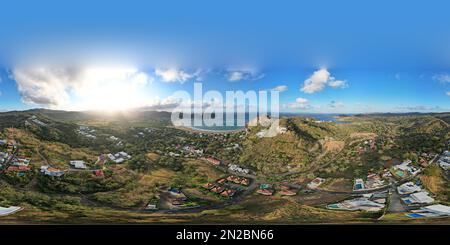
212 160
408 188
113 138
151 207
315 183
360 203
245 182
18 169
221 181
119 160
9 210
238 180
419 197
111 157
79 164
123 154
192 150
443 164
20 162
217 189
437 209
447 153
54 172
406 167
172 154
236 168
208 186
374 181
228 193
3 142
281 130
265 192
288 193
359 185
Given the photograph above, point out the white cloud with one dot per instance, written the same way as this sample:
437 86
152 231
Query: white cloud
244 74
175 75
337 83
235 76
335 104
319 80
316 82
300 103
52 86
281 88
442 78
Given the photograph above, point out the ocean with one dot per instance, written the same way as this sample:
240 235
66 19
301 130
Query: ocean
319 117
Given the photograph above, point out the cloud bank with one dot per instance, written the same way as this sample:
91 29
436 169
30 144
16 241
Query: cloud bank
52 86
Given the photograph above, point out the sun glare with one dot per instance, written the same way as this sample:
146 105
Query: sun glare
111 89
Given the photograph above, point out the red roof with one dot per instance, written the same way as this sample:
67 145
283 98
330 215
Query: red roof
212 160
265 192
98 173
288 193
17 169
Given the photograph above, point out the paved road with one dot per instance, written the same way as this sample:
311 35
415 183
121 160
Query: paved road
395 203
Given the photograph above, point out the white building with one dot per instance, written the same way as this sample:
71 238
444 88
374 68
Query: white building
437 209
315 183
405 166
444 165
357 204
238 169
408 188
419 197
119 160
78 164
111 156
9 210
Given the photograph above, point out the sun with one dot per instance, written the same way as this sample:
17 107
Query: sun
111 89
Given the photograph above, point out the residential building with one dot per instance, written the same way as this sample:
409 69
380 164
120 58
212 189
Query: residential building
408 188
54 172
358 185
79 164
419 198
9 210
315 183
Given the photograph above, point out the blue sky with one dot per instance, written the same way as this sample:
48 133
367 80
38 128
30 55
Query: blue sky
325 56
